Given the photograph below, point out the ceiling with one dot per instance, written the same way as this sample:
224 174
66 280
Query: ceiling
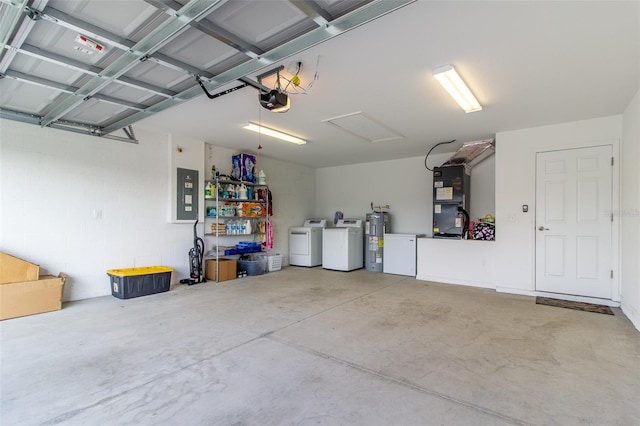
528 63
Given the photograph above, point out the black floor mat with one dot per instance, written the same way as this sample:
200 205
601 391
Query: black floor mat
580 306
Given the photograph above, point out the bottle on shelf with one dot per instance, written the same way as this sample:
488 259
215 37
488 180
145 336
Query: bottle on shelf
262 178
231 190
242 191
207 190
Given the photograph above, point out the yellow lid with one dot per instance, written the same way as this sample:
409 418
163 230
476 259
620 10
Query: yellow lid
145 270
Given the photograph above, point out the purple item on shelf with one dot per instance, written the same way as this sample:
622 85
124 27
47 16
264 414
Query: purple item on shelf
484 231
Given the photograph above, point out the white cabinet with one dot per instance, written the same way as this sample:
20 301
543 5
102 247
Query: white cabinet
400 254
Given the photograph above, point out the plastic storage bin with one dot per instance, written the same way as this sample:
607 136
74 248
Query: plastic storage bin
257 266
135 282
274 262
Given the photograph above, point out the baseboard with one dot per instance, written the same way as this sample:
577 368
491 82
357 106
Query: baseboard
448 280
584 299
519 291
632 314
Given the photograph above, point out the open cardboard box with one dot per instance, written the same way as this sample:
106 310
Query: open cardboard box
13 270
23 292
226 272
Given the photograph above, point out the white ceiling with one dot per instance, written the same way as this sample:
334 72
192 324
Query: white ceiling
529 64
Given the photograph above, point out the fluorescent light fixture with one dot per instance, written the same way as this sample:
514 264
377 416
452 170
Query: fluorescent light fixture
451 81
273 133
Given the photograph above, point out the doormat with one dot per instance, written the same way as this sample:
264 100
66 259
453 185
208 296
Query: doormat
580 306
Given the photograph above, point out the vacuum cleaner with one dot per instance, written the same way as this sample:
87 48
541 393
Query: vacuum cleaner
196 254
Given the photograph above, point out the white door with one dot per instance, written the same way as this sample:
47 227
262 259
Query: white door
573 221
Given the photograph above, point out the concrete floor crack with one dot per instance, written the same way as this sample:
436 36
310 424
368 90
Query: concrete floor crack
398 381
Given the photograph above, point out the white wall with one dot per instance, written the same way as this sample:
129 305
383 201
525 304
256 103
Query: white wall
81 204
467 262
292 188
630 212
406 185
515 186
483 189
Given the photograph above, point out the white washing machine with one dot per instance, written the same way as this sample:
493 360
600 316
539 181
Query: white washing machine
305 243
342 246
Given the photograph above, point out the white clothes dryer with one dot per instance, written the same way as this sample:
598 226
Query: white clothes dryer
343 246
305 243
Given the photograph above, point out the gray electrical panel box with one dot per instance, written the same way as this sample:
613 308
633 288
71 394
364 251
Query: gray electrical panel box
187 194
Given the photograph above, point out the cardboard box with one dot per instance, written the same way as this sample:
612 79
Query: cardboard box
14 270
226 272
20 299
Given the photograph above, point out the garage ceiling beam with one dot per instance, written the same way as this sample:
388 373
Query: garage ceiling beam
63 61
38 81
210 29
310 8
163 34
53 85
103 36
10 19
100 35
338 26
137 84
95 33
57 59
13 36
70 126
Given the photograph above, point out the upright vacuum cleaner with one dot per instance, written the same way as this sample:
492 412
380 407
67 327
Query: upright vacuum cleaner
196 254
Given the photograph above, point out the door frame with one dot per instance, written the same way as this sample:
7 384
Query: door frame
615 207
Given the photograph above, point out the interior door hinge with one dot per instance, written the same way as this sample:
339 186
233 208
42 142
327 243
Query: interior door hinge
612 161
612 273
611 217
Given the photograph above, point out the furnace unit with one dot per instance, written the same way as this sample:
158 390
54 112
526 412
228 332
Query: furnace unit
451 187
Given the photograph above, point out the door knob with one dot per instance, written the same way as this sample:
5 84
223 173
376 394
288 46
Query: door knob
542 228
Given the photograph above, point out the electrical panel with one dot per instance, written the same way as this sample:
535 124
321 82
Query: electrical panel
187 194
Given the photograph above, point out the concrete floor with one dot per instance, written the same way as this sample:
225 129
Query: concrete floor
309 346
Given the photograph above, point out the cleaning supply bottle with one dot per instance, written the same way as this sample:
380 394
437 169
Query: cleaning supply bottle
242 191
232 191
262 178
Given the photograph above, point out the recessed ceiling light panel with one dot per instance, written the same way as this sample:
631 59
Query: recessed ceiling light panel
364 126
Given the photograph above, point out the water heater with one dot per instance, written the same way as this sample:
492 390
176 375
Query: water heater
374 229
